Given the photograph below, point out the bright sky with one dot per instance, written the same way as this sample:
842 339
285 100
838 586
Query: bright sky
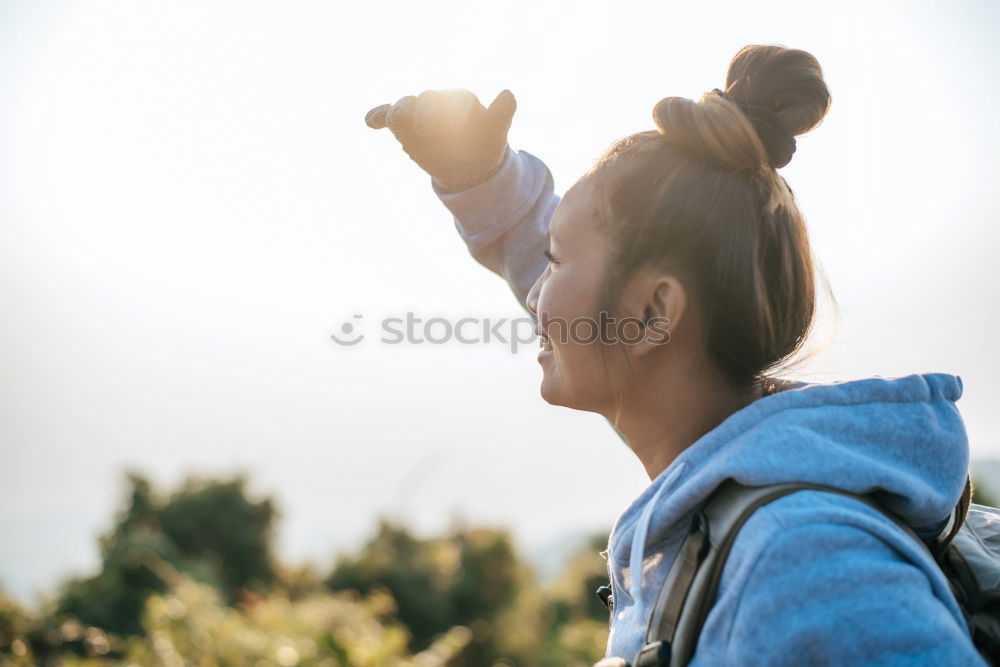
190 204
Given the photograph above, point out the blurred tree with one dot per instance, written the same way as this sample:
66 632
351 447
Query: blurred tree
173 566
574 592
464 579
213 523
579 625
192 624
15 625
208 529
299 581
131 570
417 575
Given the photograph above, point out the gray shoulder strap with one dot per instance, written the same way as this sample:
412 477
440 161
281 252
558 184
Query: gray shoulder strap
691 584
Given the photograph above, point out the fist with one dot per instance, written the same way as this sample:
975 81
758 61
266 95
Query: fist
450 134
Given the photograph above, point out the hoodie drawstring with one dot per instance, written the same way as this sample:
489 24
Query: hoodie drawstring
638 554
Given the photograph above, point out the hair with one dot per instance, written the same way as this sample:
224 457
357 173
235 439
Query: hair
700 198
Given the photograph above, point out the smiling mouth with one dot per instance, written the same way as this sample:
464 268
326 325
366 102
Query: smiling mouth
544 341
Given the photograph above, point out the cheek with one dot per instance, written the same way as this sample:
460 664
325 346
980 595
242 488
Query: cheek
566 296
563 300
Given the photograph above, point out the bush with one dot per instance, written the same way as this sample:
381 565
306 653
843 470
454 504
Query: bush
191 579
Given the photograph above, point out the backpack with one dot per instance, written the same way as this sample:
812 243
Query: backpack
968 553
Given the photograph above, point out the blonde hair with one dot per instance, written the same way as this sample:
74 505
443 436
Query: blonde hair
701 198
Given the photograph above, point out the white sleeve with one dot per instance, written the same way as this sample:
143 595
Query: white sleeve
504 220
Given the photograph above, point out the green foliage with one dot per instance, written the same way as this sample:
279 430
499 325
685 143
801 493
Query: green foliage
321 629
209 530
473 577
190 579
577 618
190 623
214 523
465 578
132 568
574 592
16 624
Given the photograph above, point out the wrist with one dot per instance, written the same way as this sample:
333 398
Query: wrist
454 184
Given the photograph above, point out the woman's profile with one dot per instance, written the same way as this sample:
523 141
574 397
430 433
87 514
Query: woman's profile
685 248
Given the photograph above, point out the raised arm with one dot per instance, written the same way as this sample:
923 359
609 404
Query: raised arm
505 220
502 199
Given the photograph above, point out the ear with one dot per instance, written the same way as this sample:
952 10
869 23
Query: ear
654 304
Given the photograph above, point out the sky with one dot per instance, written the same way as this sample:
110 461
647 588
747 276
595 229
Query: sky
191 204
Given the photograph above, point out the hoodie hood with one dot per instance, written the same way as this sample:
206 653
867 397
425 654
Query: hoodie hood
899 438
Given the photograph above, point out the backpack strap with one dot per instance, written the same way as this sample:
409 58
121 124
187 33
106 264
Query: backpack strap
690 586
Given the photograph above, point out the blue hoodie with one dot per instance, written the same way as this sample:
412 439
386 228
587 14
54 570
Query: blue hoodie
812 577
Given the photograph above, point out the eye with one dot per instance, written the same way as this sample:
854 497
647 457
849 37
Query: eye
548 256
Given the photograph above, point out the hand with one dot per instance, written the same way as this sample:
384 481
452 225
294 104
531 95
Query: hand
450 134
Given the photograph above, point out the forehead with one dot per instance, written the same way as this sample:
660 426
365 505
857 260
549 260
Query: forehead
573 214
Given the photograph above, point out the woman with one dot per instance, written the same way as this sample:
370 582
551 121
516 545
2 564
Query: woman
688 232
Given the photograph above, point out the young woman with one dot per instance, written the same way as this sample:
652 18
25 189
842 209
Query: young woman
689 232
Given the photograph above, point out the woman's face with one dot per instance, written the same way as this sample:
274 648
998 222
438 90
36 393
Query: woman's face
565 299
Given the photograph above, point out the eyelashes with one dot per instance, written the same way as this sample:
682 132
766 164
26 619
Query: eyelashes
550 257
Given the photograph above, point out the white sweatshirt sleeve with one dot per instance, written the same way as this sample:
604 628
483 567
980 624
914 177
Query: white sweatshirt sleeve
504 220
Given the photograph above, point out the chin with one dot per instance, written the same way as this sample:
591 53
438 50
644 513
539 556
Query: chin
547 394
553 395
550 393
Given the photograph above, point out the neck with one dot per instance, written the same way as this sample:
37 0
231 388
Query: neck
662 418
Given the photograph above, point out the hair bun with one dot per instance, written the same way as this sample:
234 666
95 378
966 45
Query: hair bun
781 91
777 141
772 94
714 129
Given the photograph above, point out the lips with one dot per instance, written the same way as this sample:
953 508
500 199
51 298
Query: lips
544 341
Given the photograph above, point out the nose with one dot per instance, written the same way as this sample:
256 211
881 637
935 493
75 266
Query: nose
531 301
